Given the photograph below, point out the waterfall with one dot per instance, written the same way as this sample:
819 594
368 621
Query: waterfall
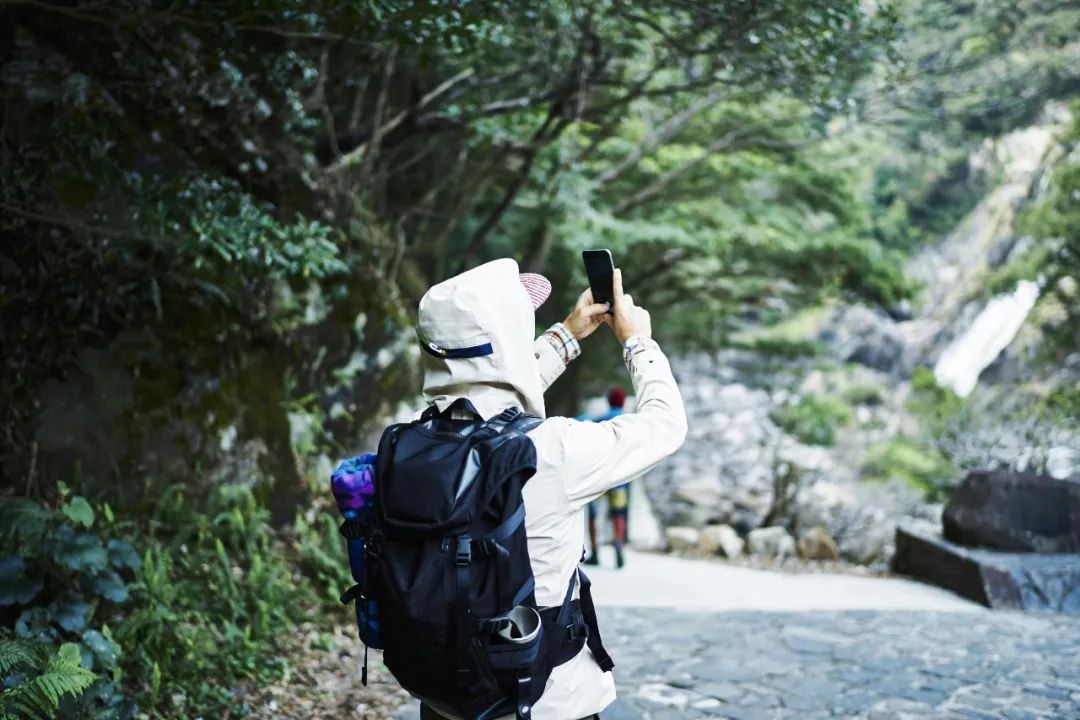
970 353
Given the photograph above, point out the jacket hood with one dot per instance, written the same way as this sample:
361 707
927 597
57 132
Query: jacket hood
476 330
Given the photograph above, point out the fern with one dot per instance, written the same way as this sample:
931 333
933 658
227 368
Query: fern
18 655
65 675
38 696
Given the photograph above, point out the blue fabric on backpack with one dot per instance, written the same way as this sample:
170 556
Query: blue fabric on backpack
353 485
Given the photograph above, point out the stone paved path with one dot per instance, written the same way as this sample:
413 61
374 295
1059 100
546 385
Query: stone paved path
881 665
696 639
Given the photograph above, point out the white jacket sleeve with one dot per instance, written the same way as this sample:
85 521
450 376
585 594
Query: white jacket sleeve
600 456
551 366
554 349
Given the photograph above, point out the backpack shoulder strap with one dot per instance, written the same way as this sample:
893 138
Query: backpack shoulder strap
588 610
504 420
525 423
513 419
573 624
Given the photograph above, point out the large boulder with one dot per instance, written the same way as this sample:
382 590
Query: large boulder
860 335
682 539
772 543
1063 462
702 491
721 539
1000 580
817 544
1017 511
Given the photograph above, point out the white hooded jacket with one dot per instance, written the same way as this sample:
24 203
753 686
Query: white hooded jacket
576 461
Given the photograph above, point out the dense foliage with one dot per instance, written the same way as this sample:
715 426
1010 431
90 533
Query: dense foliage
975 70
219 216
1055 257
184 628
812 419
216 220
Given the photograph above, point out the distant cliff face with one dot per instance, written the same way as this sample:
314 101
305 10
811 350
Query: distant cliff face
860 437
954 273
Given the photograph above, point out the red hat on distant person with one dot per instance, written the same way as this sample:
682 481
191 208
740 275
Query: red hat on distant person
616 397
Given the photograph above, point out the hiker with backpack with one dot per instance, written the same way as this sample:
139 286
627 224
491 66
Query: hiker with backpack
472 538
617 498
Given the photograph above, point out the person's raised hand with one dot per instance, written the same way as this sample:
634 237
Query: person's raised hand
586 316
627 319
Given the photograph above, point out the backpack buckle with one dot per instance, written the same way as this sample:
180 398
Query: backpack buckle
373 546
464 551
576 629
352 594
352 530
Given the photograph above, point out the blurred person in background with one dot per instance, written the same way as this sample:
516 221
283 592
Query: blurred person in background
618 498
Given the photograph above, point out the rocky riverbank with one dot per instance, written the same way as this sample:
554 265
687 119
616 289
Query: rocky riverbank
744 485
815 442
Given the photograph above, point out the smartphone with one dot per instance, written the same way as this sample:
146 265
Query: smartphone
601 271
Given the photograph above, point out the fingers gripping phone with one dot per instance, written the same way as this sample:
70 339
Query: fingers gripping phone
601 271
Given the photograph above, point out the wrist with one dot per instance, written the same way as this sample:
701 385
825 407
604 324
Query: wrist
565 343
632 335
568 323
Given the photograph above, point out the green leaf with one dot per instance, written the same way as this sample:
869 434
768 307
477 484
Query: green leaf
101 647
71 613
110 586
15 587
35 624
69 653
78 551
64 676
155 683
122 554
86 656
79 511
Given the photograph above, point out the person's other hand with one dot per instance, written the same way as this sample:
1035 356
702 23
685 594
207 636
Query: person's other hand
585 317
627 319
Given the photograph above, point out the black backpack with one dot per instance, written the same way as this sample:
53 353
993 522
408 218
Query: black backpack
447 566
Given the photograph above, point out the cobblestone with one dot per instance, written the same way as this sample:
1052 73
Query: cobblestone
858 664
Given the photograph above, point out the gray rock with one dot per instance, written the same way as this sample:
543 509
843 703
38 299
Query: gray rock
725 474
860 335
817 544
1000 580
1063 462
770 542
681 539
721 539
861 518
700 492
1016 511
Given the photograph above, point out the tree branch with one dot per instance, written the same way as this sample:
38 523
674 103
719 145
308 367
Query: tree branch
576 81
357 153
665 132
731 141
